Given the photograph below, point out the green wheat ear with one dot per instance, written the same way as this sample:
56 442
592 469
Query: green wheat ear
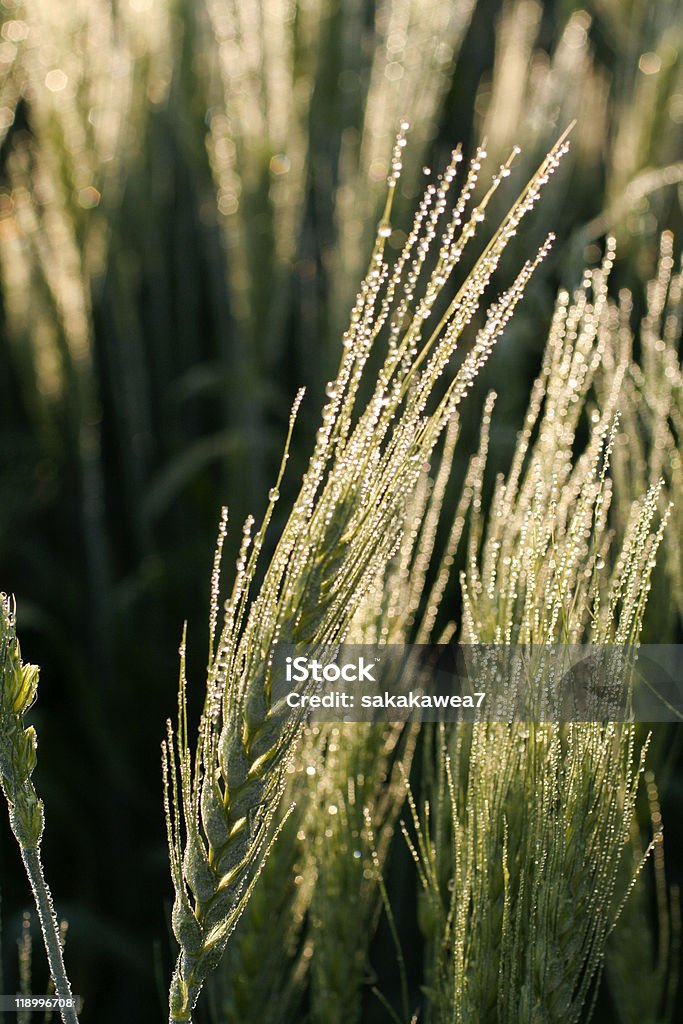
18 686
345 526
18 758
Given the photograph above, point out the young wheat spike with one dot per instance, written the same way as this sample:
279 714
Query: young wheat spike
519 853
651 412
18 686
516 805
354 768
345 525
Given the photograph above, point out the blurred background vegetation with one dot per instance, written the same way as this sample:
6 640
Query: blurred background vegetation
189 190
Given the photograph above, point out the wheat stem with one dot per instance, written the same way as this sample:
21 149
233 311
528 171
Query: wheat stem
50 928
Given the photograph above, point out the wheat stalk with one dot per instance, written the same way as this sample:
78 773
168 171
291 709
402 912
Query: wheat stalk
650 408
342 774
18 686
343 528
513 805
510 807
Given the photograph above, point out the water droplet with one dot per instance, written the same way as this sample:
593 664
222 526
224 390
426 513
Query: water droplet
273 494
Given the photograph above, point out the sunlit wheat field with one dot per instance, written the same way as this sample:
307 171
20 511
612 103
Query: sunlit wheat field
335 323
